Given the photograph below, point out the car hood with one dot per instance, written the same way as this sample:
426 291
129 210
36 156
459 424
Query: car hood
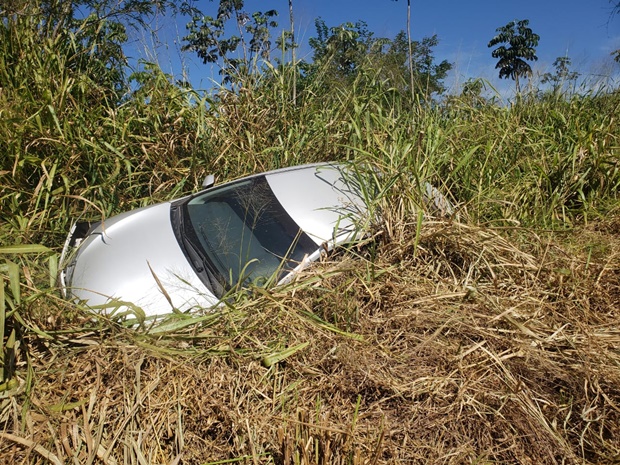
135 257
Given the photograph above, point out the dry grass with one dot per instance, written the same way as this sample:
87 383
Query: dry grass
464 349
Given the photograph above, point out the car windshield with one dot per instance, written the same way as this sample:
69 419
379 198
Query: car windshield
245 234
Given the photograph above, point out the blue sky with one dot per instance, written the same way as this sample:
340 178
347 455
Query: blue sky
581 29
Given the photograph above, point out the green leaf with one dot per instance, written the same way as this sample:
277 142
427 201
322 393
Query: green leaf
13 272
53 269
24 248
272 359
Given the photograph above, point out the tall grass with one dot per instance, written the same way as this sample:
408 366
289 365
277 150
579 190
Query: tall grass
546 163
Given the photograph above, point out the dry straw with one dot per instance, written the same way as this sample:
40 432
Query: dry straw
445 344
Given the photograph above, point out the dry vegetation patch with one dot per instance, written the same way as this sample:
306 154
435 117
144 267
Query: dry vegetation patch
449 345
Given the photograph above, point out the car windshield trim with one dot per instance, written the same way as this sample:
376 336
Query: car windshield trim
243 235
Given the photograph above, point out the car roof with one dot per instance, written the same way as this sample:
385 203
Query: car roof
322 199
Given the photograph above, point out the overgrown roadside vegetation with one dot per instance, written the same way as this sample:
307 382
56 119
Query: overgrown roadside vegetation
491 336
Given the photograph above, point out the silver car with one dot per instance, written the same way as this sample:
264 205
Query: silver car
188 254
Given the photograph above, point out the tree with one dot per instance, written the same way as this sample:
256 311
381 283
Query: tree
562 75
340 49
238 56
410 66
512 59
342 52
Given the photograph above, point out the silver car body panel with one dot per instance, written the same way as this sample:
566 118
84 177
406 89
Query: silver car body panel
320 200
135 259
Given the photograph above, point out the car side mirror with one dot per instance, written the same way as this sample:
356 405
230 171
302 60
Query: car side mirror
208 181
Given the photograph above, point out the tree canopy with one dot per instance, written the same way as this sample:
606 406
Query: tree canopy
346 50
520 41
240 42
562 76
238 53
